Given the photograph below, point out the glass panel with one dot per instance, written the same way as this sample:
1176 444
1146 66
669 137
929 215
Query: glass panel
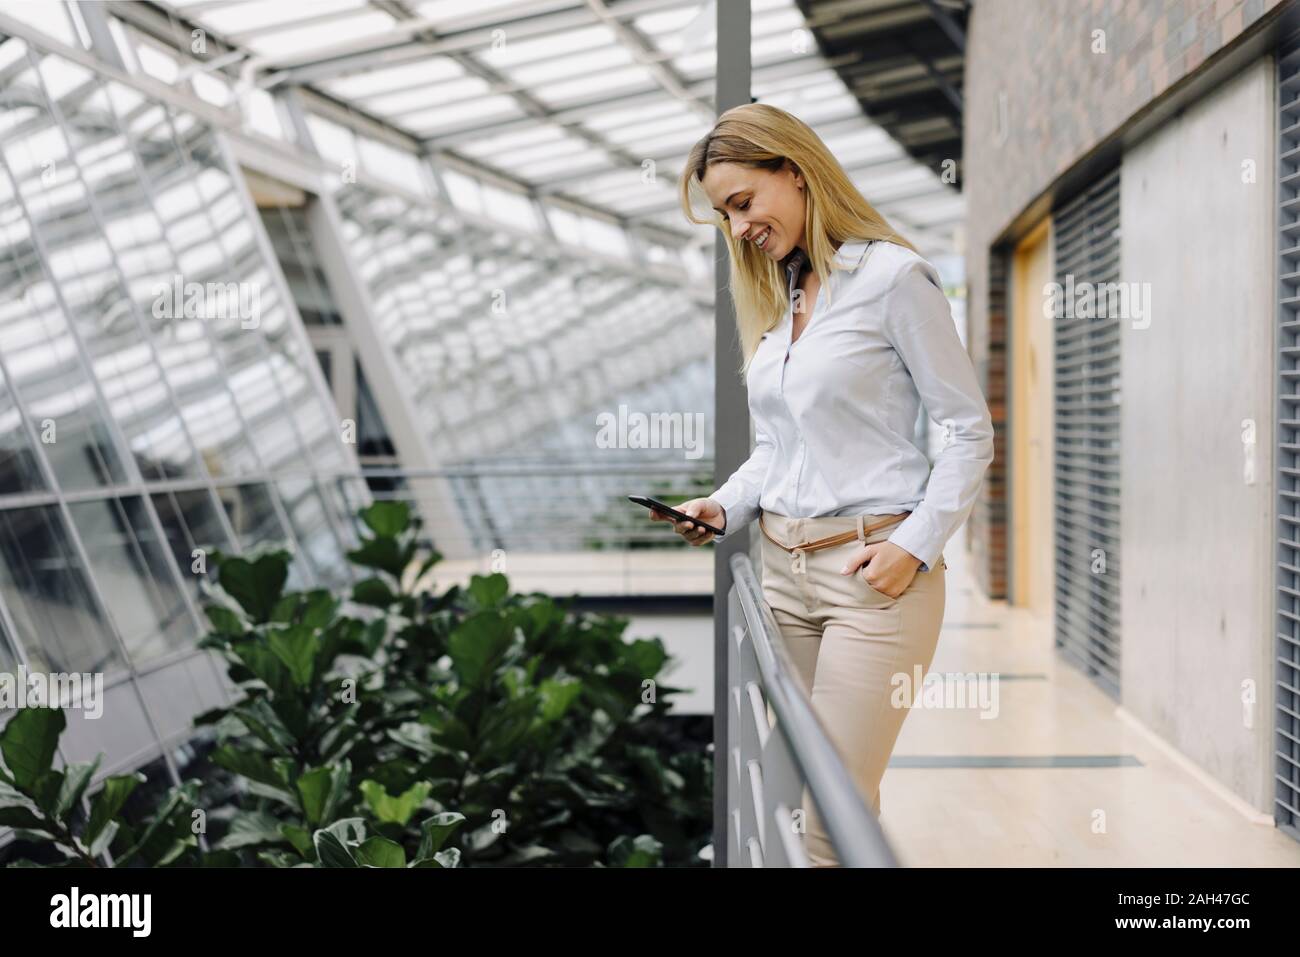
191 521
40 184
287 228
49 18
8 657
342 514
318 422
19 469
94 290
59 623
184 253
373 440
251 371
354 495
254 518
307 513
252 515
135 577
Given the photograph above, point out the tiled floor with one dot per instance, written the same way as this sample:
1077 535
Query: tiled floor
950 797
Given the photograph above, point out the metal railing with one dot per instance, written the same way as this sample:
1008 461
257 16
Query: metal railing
776 746
550 525
540 506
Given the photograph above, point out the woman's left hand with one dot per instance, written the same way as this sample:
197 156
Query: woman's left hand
890 567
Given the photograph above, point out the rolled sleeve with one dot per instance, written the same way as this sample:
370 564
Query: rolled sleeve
739 495
918 322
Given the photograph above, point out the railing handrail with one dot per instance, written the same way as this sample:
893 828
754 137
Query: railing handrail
685 468
854 830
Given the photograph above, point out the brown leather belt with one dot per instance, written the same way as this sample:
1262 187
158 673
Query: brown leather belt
831 541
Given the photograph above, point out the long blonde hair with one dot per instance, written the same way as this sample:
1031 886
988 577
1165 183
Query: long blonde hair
762 136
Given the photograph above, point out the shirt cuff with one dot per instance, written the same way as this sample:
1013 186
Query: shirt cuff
738 513
916 535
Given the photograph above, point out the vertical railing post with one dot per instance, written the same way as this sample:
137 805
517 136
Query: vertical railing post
730 409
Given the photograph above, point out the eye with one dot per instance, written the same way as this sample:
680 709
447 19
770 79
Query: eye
744 206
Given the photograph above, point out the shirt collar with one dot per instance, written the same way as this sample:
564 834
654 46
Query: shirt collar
849 254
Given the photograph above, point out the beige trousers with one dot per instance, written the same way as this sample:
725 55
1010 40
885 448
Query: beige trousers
848 641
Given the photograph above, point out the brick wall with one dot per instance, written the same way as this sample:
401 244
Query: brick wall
1062 99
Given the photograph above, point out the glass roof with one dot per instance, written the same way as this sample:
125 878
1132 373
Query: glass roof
565 98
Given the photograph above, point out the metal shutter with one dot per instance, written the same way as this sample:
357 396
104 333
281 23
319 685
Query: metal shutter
1086 452
1287 795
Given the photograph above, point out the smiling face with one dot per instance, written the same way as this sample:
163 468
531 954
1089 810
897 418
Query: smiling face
759 205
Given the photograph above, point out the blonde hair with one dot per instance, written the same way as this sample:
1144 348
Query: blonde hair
762 136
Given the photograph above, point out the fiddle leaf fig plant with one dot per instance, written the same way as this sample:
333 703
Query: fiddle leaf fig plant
399 725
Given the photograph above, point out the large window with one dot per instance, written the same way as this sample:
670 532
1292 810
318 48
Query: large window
158 395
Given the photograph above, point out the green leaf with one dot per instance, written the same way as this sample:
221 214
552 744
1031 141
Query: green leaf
434 832
276 858
260 718
103 839
331 852
76 778
321 790
557 695
641 851
29 741
264 664
168 833
299 837
373 591
477 643
349 830
296 647
250 829
646 656
387 519
250 764
256 585
419 738
220 859
314 788
313 609
380 852
46 790
224 621
386 554
20 817
488 591
394 810
447 858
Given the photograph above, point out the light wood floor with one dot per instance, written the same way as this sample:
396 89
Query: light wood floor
1155 814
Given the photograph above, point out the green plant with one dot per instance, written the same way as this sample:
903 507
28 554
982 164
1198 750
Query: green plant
396 726
43 803
547 728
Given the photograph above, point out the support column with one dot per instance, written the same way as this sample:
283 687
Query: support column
730 409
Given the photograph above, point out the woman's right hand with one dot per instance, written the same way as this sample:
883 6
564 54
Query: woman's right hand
705 509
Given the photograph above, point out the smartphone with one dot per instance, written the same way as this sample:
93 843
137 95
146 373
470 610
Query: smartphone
669 510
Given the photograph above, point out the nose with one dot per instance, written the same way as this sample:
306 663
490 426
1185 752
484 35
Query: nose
739 227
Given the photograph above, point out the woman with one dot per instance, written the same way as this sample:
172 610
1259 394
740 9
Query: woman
845 334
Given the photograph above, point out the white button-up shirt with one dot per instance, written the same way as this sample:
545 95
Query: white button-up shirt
835 410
